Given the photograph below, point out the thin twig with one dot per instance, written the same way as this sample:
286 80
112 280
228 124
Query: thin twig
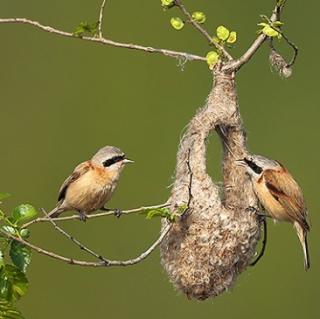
264 243
238 63
290 43
101 18
170 53
204 32
74 240
107 263
190 180
220 129
295 51
77 216
186 212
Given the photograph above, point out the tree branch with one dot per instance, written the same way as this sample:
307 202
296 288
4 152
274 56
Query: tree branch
170 53
101 18
77 216
291 44
237 64
204 32
74 240
104 263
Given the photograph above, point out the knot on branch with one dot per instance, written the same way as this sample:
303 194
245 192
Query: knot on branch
204 252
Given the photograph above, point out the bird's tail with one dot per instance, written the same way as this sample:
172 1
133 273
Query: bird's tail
55 212
306 253
302 234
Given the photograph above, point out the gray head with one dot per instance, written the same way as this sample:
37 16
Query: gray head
110 157
256 164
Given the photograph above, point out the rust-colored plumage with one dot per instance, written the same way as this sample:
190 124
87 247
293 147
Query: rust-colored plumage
280 195
92 183
287 192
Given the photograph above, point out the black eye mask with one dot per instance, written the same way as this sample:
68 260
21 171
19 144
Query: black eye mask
257 169
113 160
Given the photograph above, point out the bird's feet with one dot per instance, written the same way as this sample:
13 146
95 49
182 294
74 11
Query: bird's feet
83 216
117 212
258 213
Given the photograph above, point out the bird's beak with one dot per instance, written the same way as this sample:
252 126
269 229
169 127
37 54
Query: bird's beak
127 161
241 162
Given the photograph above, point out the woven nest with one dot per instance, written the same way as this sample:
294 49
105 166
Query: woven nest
214 242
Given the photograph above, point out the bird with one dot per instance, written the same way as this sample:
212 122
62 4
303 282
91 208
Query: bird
280 195
92 183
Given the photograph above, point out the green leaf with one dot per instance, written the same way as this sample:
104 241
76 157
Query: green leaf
181 209
4 196
199 17
23 213
277 24
270 32
263 24
20 255
2 215
232 37
86 28
223 33
212 59
9 311
159 212
25 233
177 23
167 3
13 283
215 39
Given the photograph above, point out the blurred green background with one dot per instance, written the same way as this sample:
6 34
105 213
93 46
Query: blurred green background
62 99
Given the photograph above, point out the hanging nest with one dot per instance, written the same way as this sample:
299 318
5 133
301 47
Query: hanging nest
215 239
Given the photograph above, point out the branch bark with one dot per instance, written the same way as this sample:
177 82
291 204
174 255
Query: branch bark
105 263
235 65
101 40
202 30
91 216
75 241
101 18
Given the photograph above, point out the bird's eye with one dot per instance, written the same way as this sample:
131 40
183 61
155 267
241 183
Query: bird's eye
257 169
113 160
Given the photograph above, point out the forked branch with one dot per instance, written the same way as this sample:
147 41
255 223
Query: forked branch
104 261
91 216
202 30
235 65
231 66
104 41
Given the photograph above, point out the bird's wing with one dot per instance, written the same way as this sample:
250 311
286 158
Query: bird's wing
80 170
287 192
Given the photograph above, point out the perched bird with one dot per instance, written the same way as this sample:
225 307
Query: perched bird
92 183
280 195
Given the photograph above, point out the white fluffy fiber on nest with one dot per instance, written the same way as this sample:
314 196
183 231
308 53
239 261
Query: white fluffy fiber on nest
204 252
